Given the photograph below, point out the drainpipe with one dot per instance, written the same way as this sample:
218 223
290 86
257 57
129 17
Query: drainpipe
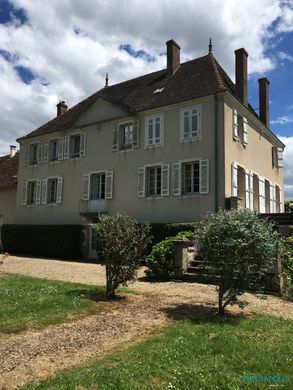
216 153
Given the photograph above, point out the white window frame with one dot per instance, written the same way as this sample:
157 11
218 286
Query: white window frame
31 160
34 202
147 179
183 164
154 141
143 181
100 173
190 136
49 180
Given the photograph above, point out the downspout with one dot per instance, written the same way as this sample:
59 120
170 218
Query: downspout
216 152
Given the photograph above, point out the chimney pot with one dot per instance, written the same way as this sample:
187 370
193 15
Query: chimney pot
264 101
61 107
12 151
173 56
241 75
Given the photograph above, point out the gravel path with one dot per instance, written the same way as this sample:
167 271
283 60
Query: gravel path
39 354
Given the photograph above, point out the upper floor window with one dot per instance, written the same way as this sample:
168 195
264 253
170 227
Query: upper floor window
277 154
75 145
54 149
240 128
126 136
154 181
154 130
97 186
190 126
33 153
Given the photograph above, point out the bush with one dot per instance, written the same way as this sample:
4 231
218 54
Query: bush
62 241
238 248
160 262
160 231
288 268
121 241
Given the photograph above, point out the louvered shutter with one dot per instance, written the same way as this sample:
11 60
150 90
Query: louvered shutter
38 191
135 133
165 179
24 193
40 152
66 147
60 148
245 131
115 139
59 189
46 151
141 182
204 177
82 144
44 191
280 163
27 156
109 185
251 190
177 179
86 186
234 179
261 194
235 124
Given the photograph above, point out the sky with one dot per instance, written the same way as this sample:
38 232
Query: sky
61 50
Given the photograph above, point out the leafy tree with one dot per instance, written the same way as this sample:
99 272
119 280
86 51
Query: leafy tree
121 241
238 248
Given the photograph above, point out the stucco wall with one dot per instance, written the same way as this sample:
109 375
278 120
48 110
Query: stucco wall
8 204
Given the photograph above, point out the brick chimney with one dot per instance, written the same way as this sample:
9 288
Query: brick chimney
241 75
12 151
61 108
264 104
173 56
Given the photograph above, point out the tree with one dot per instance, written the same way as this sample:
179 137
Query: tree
121 241
238 248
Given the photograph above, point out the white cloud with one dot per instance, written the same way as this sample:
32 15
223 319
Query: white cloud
288 166
284 56
282 120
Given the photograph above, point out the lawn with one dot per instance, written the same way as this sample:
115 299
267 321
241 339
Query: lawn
212 354
32 302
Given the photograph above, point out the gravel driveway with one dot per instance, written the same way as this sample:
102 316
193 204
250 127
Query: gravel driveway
39 354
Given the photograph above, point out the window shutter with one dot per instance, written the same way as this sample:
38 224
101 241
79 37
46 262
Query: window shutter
177 179
251 190
136 133
38 191
235 124
40 152
24 193
280 163
165 179
59 189
162 129
115 139
204 177
198 122
27 156
86 186
60 148
261 194
44 191
245 131
141 182
247 189
66 147
109 185
82 144
46 151
234 179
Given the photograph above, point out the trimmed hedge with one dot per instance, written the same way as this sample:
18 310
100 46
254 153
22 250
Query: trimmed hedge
62 241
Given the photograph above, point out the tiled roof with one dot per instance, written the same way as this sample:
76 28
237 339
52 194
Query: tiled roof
196 78
8 170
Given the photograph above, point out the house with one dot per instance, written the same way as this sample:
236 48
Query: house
8 183
169 146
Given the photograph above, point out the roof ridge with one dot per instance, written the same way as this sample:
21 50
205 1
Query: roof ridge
216 70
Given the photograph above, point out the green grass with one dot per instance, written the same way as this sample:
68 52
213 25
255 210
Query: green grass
32 302
212 354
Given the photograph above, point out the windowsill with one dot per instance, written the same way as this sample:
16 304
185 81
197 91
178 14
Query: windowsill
152 146
153 197
31 164
51 204
192 139
124 150
191 195
31 205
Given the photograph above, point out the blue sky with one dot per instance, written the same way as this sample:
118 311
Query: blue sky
61 50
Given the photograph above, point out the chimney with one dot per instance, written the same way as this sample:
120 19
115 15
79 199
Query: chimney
264 109
12 151
173 56
241 75
61 108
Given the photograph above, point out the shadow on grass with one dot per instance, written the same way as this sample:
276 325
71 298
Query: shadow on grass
95 295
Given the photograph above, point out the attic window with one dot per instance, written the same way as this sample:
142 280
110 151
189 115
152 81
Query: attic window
159 90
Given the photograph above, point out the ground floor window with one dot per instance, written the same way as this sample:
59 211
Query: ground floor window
31 192
154 181
52 191
191 177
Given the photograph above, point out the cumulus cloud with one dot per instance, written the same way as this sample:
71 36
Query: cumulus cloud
282 120
284 56
288 166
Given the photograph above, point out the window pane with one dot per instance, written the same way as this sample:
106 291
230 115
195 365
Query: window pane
97 190
196 177
187 178
158 181
186 126
150 132
194 126
158 133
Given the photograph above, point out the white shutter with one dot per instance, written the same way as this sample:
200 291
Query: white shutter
46 151
204 177
280 163
234 180
245 131
86 186
115 139
251 190
82 152
135 133
261 194
38 191
24 193
40 152
59 189
141 182
109 185
27 156
44 191
235 124
60 148
66 147
177 179
165 179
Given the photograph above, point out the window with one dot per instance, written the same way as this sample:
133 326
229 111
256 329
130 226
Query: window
31 192
54 150
97 186
52 191
190 123
277 154
240 128
33 153
75 145
126 134
191 177
154 130
154 181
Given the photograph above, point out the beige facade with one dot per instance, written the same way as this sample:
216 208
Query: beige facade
7 206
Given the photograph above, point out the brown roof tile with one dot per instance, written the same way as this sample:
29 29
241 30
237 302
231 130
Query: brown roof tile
8 170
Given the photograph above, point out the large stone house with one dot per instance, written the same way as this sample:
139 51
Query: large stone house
169 146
